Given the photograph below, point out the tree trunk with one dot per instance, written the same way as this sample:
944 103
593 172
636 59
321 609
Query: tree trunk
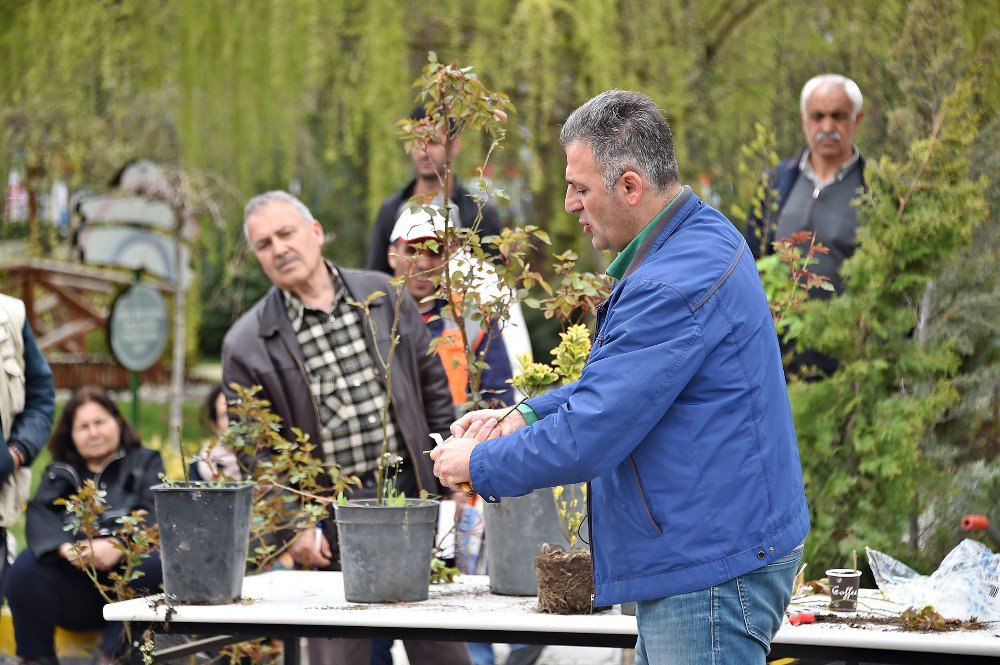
177 365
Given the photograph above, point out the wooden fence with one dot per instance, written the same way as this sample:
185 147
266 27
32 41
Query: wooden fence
67 302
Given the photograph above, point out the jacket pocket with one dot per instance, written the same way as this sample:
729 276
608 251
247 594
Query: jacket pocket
629 500
644 499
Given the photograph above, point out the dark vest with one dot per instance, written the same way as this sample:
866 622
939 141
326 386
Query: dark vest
829 214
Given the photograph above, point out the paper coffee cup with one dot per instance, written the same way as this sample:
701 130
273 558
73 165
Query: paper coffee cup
844 585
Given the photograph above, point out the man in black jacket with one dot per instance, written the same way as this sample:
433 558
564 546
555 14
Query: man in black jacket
318 362
428 168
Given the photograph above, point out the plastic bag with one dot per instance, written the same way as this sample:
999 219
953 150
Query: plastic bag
965 585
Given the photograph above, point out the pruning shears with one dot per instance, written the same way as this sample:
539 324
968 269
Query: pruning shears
467 488
801 617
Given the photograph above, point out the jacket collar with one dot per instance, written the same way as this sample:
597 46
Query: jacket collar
274 317
669 220
74 472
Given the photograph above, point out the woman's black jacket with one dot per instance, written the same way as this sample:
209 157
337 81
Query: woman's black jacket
126 479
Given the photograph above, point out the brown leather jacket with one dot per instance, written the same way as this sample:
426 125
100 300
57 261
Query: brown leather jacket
261 349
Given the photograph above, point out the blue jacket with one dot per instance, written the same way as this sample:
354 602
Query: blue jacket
32 426
680 421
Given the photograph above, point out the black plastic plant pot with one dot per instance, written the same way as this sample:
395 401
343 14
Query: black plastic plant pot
204 537
386 551
524 524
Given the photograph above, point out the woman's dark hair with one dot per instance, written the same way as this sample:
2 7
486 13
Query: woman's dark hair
61 444
209 415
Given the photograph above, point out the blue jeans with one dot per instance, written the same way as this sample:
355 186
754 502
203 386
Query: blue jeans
728 624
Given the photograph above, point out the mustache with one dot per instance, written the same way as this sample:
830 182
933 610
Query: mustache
823 136
285 259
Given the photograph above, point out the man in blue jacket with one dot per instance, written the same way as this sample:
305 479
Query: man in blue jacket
680 420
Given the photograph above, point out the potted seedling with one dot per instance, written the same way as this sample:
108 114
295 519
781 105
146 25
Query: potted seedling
532 520
386 543
565 580
211 532
217 529
484 278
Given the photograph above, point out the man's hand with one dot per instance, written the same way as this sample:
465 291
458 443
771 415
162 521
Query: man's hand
513 421
311 549
451 459
17 456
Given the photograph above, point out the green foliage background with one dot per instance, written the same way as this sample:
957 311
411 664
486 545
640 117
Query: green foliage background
261 93
255 95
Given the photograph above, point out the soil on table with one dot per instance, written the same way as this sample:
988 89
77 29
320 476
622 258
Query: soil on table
565 581
896 622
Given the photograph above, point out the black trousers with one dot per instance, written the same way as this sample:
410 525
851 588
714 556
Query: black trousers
3 559
45 595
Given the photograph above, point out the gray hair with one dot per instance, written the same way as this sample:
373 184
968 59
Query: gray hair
849 86
267 198
625 131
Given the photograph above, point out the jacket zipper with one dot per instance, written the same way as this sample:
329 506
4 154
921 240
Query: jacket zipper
97 478
642 495
305 379
593 557
601 311
71 470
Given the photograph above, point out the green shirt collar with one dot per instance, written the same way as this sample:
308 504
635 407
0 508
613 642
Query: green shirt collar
624 258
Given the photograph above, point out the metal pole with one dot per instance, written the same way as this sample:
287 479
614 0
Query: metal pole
134 384
134 376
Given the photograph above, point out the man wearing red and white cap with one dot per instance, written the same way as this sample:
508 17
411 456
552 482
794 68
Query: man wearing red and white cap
416 252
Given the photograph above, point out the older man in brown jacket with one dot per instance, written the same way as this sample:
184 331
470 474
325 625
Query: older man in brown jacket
318 362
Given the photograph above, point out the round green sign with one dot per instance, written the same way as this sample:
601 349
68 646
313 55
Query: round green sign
138 327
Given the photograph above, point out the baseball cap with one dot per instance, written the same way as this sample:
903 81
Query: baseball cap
417 223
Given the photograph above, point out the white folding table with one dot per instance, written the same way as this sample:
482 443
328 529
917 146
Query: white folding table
294 604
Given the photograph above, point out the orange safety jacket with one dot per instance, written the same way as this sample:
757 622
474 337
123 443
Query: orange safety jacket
452 353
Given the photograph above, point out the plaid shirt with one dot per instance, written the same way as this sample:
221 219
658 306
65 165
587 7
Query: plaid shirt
345 384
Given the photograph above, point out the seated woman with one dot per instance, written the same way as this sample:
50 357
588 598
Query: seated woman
215 460
46 586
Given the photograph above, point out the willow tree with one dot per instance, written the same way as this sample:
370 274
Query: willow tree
74 103
292 94
283 92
